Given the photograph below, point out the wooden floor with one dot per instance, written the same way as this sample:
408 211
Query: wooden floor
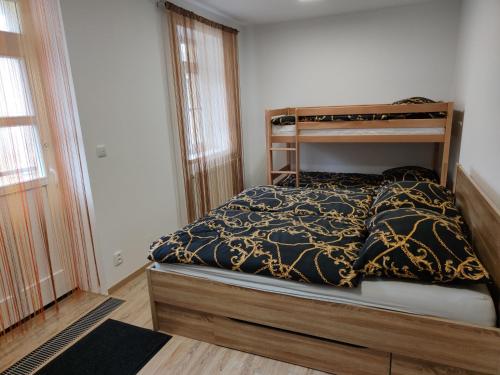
180 356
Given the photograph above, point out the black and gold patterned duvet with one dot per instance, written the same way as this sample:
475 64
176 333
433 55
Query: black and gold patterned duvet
339 182
339 205
290 120
306 235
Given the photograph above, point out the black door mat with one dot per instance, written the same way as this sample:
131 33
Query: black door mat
112 348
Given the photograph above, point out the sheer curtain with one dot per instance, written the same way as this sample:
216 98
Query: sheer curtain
205 68
46 244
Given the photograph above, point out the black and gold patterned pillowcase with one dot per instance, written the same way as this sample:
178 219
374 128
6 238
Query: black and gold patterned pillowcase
417 194
420 100
410 173
283 120
415 100
421 245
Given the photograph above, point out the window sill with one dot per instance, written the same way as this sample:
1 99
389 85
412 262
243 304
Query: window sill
23 186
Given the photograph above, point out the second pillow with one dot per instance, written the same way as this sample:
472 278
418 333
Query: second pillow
417 194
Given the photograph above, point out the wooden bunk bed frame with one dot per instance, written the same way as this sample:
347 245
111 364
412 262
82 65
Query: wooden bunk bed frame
290 144
334 337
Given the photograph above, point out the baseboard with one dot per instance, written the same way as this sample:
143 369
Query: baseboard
122 282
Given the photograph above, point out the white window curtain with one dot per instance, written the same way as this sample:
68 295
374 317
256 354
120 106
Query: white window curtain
204 61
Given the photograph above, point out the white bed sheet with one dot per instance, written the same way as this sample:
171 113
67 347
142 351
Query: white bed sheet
472 304
290 130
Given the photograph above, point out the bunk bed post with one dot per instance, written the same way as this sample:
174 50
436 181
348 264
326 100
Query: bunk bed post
297 150
288 154
269 148
446 144
436 157
289 146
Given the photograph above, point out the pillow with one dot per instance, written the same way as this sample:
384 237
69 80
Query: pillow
410 173
420 100
421 245
417 194
415 100
283 120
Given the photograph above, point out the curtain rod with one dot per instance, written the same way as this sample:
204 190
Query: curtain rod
187 13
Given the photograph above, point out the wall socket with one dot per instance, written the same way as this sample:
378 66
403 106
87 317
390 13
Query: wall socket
117 258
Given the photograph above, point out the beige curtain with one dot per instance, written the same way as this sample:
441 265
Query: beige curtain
204 58
46 244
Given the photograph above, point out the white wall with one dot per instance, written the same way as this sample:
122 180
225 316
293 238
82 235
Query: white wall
117 57
369 57
117 53
478 93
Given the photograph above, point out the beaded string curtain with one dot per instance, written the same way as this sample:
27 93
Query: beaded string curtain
46 244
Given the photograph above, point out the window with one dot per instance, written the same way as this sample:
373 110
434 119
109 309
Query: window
206 81
205 75
21 157
9 19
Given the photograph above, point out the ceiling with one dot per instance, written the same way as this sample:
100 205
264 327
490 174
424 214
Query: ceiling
267 11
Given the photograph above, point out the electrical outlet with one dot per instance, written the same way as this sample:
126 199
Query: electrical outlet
101 151
117 258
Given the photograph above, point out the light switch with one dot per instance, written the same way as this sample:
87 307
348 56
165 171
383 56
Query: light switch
101 151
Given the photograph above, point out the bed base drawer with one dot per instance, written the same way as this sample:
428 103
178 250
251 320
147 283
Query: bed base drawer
282 345
407 366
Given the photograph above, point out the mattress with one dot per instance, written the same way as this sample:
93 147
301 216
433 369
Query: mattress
288 130
471 304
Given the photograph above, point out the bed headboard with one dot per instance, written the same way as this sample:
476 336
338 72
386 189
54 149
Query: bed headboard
483 219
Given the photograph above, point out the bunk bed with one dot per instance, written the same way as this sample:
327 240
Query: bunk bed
416 120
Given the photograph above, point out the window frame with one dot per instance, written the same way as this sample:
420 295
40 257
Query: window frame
10 48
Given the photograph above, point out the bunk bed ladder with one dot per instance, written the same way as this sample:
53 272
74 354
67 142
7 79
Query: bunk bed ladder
290 148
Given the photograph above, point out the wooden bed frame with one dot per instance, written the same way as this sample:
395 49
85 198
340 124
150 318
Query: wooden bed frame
290 144
335 337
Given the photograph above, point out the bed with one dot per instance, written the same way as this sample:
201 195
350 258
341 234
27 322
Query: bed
374 327
413 120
